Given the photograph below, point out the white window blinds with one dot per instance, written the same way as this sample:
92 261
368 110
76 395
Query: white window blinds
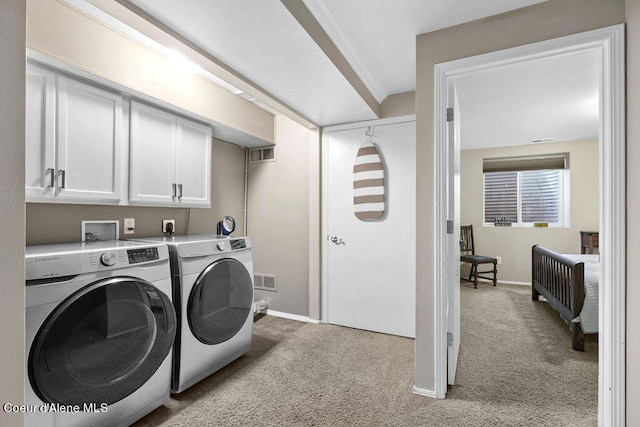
500 196
525 189
541 196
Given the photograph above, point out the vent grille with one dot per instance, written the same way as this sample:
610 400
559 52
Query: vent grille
262 154
267 282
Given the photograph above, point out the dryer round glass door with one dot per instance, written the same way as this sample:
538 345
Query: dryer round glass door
220 301
102 343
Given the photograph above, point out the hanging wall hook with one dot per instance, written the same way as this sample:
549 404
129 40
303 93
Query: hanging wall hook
368 132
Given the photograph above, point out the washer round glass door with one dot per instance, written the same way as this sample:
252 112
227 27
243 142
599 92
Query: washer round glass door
102 343
220 301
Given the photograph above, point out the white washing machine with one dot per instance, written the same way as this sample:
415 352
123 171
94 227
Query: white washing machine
213 296
100 326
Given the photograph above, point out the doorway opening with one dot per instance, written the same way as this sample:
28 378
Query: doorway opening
608 44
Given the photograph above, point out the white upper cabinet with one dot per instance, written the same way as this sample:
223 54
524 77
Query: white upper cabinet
170 159
74 140
153 149
85 144
193 163
89 141
40 166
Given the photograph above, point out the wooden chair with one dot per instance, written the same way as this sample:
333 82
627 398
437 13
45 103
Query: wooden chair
468 255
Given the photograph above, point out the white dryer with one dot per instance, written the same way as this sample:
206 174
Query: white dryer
100 326
213 297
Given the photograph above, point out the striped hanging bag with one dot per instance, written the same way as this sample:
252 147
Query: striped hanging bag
368 184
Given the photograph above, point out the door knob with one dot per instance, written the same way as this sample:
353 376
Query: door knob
336 240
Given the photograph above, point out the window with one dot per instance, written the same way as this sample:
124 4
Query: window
527 190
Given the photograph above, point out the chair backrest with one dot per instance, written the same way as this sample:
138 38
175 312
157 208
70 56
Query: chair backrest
466 240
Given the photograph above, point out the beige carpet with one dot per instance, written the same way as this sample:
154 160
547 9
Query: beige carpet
516 368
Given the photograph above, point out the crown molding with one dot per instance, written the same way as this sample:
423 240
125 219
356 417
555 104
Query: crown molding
329 19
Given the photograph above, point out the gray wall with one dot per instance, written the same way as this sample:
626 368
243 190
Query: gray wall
513 244
399 104
12 95
633 208
280 206
227 190
539 22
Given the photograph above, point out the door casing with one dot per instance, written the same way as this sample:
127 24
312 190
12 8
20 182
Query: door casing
609 43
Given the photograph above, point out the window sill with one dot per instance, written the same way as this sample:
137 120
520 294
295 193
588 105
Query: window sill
523 225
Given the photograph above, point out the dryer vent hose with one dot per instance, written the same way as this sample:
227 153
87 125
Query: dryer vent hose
260 306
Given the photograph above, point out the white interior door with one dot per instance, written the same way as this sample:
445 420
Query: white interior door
453 236
370 265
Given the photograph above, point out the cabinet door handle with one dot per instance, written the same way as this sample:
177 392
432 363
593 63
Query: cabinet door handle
52 177
174 185
179 191
63 178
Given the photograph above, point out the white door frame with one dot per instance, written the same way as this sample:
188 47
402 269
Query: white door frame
325 164
609 43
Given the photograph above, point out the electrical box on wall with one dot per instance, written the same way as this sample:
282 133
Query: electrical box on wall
169 226
100 230
129 225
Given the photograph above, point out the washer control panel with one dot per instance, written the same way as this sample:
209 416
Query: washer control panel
70 259
142 255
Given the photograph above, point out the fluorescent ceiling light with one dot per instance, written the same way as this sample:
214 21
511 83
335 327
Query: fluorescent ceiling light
182 64
178 61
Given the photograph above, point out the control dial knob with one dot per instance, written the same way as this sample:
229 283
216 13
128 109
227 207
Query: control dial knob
108 259
220 246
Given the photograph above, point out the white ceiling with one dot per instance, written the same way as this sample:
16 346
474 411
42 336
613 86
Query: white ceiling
263 42
382 35
552 99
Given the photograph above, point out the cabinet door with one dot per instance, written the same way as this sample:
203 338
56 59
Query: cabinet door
40 136
194 163
153 150
89 142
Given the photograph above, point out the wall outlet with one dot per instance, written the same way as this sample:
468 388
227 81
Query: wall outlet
499 258
166 228
129 225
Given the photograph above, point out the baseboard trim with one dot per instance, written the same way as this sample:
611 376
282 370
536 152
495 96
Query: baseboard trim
511 282
424 392
289 316
506 282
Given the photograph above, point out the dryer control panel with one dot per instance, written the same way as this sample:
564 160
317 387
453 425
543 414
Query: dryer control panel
238 244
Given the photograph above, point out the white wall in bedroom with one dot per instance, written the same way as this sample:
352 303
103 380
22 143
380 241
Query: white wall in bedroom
514 244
